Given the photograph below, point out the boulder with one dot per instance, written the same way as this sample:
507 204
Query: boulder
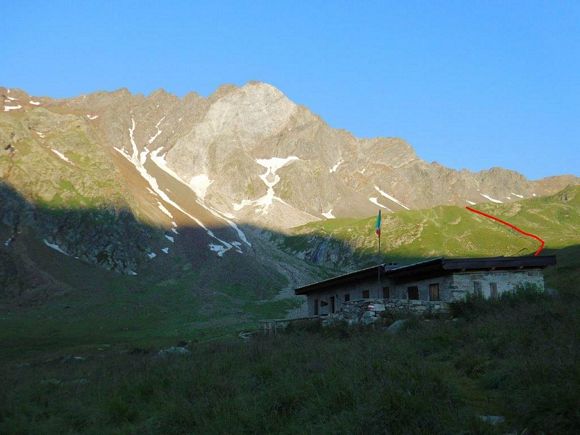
396 326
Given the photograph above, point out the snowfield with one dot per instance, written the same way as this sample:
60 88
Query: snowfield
375 201
392 198
329 215
497 201
61 155
55 247
135 159
199 184
335 167
270 179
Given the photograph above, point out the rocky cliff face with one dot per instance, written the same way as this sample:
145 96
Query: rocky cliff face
245 155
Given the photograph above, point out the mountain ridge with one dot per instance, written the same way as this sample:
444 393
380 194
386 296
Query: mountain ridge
242 156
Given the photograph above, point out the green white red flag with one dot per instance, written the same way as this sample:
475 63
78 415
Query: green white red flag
378 225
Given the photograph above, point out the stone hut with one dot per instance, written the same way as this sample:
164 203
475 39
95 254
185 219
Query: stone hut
427 285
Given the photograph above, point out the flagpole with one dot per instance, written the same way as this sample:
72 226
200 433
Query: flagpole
379 265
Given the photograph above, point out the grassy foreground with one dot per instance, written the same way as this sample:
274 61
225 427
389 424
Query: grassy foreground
517 359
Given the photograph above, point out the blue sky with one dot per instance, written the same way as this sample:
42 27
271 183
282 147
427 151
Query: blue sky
470 84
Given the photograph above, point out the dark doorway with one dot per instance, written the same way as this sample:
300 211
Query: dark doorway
332 304
386 292
413 293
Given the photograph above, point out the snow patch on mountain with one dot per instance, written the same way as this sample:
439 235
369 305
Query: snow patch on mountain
470 202
328 214
34 103
160 161
199 184
151 255
166 250
93 117
270 179
392 198
516 194
335 167
497 201
61 155
171 239
143 156
133 158
159 131
375 201
55 247
164 210
150 191
219 249
9 108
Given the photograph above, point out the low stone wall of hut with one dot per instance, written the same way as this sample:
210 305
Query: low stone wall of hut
416 306
358 312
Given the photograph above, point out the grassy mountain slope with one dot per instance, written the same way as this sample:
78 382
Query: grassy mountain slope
443 231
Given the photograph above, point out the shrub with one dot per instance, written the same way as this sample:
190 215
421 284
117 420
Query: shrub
475 304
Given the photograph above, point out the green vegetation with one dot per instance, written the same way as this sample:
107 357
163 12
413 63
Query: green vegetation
450 230
515 357
516 360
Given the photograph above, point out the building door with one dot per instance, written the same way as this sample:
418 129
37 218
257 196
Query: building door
386 292
434 292
316 307
332 307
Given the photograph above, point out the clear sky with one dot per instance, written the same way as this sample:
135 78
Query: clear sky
470 84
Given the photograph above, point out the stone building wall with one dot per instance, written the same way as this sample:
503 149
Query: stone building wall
451 287
464 282
354 290
399 291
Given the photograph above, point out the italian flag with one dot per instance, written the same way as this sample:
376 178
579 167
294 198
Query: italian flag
378 225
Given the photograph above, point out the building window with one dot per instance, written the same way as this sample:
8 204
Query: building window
332 307
386 292
347 297
316 307
434 292
366 294
413 293
493 290
477 288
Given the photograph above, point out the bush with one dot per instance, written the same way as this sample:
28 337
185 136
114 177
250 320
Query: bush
475 304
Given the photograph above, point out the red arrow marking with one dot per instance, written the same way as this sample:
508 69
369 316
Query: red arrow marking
513 227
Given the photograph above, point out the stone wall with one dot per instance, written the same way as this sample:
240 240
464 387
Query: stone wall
464 282
451 287
368 311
